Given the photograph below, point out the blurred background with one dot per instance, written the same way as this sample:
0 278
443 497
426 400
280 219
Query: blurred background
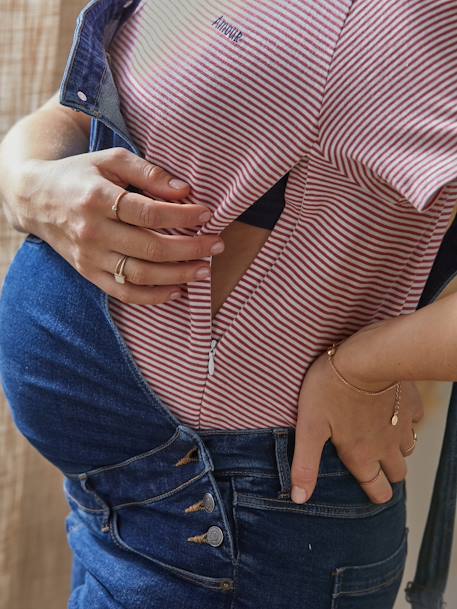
35 38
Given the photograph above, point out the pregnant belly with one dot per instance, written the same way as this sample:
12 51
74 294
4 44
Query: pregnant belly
242 243
67 381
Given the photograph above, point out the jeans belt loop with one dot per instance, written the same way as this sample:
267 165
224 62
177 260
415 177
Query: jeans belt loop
282 462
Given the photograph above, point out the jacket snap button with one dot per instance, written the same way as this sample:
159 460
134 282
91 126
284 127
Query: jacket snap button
214 536
208 502
82 95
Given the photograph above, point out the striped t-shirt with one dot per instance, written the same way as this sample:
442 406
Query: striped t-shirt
358 101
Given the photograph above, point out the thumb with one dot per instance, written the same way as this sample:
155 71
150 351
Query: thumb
309 443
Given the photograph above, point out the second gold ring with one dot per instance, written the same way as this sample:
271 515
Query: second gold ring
118 272
410 449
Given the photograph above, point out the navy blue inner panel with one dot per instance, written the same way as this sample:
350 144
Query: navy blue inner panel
266 210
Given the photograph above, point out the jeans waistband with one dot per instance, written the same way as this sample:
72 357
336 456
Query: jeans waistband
189 455
263 450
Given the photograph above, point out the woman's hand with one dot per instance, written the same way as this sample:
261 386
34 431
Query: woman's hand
69 204
358 425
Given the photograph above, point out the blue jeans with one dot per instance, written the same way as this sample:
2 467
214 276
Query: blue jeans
162 515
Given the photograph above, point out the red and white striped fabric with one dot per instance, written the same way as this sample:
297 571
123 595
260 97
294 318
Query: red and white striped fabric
358 100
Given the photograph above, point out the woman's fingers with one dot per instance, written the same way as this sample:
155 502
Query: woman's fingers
87 232
156 263
394 466
122 166
371 478
151 245
140 210
140 272
309 441
377 486
370 447
130 293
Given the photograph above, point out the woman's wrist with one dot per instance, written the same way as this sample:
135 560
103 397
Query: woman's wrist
21 196
358 358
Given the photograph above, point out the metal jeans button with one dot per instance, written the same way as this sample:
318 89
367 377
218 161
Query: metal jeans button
214 536
208 502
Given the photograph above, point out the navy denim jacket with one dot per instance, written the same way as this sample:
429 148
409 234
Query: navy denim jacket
88 86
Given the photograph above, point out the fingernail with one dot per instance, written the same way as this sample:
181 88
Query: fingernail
217 248
298 495
175 295
202 273
206 215
175 183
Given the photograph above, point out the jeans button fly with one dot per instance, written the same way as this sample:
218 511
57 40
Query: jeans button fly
214 536
208 502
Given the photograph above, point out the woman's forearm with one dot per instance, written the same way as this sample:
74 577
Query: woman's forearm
49 133
417 346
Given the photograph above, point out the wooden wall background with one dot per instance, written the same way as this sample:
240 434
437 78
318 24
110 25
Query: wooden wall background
35 38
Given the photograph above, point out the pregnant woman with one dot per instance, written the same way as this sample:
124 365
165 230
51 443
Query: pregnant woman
232 209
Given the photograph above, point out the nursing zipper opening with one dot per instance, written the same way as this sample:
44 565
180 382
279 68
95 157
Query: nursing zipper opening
212 356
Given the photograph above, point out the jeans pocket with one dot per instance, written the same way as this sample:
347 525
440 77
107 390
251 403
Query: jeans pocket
335 507
337 493
374 585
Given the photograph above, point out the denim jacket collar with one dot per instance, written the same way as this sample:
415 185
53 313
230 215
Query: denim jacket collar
87 83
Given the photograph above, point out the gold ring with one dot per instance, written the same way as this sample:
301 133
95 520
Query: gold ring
118 274
413 445
115 205
372 479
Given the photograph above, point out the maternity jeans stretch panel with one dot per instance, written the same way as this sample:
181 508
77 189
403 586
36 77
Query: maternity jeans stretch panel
163 516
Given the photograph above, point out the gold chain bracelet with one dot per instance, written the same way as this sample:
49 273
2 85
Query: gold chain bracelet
394 419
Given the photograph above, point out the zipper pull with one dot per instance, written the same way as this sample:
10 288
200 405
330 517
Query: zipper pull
212 355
